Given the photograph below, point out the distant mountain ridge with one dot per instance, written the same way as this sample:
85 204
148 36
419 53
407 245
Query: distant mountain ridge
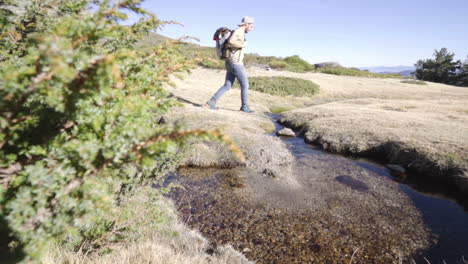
393 69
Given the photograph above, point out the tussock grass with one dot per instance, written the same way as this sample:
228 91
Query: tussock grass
283 86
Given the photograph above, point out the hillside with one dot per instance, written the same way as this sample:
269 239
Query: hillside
293 63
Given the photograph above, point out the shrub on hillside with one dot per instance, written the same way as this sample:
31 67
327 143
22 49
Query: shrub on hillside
409 81
283 86
255 59
278 64
355 72
296 64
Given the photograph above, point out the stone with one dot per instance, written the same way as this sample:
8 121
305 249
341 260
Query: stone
269 173
396 170
287 132
325 146
212 249
327 64
162 120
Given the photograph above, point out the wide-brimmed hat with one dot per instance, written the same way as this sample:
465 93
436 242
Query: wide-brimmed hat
247 20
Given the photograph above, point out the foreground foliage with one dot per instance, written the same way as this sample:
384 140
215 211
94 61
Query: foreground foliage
79 111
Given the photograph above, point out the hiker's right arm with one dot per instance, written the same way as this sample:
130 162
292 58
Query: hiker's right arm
237 40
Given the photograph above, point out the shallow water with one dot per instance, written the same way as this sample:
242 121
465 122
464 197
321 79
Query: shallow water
338 210
444 213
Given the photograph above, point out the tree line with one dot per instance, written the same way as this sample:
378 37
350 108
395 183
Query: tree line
442 68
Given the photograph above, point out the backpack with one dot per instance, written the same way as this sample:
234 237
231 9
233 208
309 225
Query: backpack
222 36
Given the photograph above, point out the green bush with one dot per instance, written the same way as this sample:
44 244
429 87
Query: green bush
79 107
296 64
418 82
252 59
278 65
355 72
283 86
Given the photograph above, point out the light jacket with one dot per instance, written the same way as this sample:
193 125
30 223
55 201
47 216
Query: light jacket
237 41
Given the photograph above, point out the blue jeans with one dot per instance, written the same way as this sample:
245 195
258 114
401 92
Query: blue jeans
234 71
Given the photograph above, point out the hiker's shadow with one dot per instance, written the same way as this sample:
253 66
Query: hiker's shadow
183 100
180 99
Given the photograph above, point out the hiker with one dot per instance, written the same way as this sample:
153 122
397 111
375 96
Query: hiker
235 66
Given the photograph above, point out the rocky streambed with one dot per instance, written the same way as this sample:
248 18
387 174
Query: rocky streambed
330 209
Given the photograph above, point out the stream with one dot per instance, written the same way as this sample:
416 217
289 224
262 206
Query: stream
333 209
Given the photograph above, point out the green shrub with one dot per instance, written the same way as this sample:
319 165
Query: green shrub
418 82
278 65
296 64
355 72
283 86
252 59
79 106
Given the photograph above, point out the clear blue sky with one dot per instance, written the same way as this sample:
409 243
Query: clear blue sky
354 33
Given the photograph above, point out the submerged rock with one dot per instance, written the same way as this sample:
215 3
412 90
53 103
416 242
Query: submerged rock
396 170
352 183
287 132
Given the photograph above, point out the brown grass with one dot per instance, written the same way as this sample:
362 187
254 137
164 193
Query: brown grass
418 134
359 114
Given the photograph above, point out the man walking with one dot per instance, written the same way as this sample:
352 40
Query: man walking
235 66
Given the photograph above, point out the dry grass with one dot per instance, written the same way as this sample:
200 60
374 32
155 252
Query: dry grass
426 135
170 243
356 114
248 131
335 88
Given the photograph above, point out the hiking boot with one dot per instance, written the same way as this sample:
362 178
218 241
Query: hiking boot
246 109
211 105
